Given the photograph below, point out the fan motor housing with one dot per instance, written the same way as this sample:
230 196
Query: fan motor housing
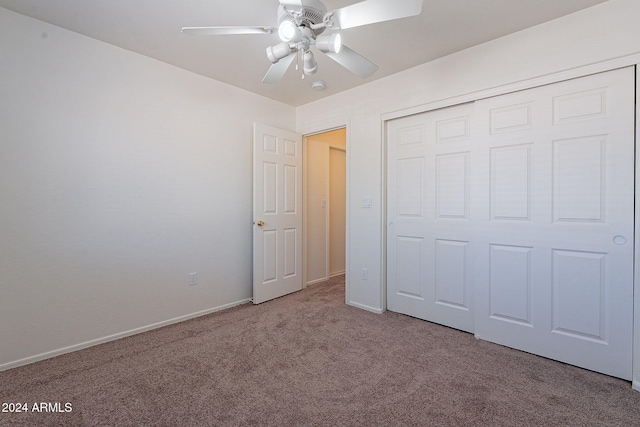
312 12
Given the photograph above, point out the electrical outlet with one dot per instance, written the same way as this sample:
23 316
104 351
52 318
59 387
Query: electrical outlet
193 279
364 274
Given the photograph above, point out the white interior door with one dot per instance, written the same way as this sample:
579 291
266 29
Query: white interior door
554 273
277 213
513 218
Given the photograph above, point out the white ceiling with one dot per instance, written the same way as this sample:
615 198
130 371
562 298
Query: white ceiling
152 28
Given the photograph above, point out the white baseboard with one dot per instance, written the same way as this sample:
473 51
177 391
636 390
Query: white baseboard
91 343
313 282
323 279
635 385
365 307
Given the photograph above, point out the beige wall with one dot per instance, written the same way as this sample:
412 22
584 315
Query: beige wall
322 226
337 209
119 175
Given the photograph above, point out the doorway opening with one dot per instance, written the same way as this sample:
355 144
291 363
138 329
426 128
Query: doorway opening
324 205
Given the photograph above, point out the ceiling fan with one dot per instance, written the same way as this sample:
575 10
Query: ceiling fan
301 24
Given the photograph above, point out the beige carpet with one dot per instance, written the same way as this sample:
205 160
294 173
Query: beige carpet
309 359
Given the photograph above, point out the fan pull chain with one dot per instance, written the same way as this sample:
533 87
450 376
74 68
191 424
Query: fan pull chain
300 54
298 60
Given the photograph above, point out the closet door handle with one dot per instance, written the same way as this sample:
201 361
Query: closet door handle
619 240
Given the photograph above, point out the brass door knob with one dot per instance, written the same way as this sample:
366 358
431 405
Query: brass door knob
260 223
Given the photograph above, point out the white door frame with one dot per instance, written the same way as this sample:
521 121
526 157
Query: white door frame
636 248
627 61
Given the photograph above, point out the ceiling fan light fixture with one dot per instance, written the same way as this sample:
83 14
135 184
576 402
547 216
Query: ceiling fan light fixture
288 31
279 51
301 24
310 66
331 43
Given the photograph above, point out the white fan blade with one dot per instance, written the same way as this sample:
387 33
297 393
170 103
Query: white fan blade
353 62
277 70
372 11
225 31
288 4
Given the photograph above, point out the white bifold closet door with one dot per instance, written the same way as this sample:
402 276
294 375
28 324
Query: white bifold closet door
513 218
